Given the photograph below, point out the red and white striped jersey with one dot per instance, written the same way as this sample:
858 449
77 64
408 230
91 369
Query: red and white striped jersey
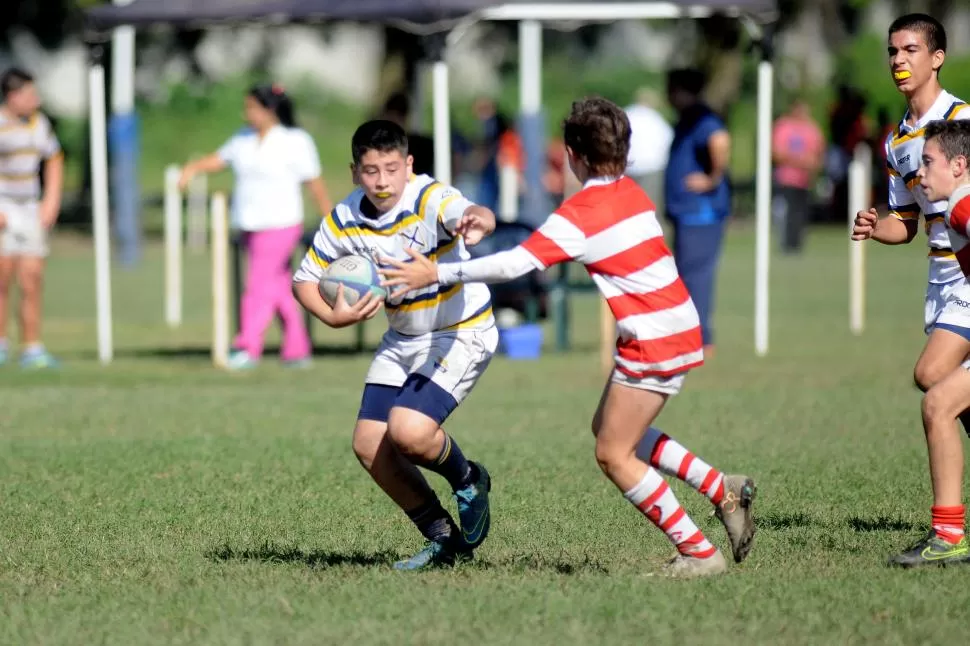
611 227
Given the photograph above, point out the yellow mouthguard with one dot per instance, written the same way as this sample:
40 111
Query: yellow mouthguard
383 196
901 76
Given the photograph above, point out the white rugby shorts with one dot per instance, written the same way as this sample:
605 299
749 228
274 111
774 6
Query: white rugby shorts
664 385
453 360
23 235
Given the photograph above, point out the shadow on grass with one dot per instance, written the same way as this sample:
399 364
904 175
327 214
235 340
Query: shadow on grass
326 559
313 559
784 521
880 524
204 352
540 563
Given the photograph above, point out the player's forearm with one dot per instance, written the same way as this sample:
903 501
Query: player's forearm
497 268
890 230
307 294
54 182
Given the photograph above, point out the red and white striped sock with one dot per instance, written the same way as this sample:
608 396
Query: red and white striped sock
654 498
661 452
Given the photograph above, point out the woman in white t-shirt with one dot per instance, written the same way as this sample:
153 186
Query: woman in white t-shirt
272 160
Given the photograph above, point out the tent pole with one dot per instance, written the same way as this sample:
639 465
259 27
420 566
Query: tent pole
763 193
99 200
437 48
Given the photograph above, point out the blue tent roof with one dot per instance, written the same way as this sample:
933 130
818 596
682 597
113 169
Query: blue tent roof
188 13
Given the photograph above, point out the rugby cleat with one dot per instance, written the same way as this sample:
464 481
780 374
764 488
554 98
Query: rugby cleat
734 512
434 554
933 550
473 510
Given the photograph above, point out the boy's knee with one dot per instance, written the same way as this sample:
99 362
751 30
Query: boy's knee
367 441
609 457
926 375
30 281
412 433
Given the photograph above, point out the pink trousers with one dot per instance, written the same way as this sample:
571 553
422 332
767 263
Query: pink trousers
268 291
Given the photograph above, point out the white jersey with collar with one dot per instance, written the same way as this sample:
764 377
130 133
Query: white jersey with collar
904 155
425 219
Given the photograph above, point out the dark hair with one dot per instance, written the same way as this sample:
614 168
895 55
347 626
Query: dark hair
953 136
380 135
12 80
598 132
688 79
274 98
927 26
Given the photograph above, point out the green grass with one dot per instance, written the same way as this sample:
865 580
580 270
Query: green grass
158 501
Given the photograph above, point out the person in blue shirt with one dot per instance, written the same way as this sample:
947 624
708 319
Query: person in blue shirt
697 194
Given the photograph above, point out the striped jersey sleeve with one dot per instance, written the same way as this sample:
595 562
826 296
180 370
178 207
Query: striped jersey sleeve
902 204
324 250
557 240
48 146
448 205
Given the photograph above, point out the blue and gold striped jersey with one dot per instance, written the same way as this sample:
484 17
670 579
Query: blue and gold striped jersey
424 219
904 155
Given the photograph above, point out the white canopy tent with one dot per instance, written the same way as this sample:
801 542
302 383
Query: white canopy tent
442 17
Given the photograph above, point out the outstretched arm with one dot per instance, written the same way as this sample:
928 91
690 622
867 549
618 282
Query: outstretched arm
556 241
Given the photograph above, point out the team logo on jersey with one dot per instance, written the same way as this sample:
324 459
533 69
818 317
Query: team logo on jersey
904 160
413 237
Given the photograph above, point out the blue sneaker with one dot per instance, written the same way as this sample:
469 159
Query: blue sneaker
37 359
241 360
433 555
473 512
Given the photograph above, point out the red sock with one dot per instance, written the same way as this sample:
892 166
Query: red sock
948 523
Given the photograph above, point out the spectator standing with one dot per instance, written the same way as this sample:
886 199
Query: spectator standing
272 159
650 139
28 210
798 152
696 191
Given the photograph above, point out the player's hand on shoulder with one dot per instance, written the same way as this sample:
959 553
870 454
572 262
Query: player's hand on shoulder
407 276
865 224
365 308
475 224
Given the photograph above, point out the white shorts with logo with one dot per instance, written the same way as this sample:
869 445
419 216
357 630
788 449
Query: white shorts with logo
664 385
948 304
23 235
453 360
948 307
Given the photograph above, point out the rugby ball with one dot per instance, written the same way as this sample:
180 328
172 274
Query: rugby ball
358 275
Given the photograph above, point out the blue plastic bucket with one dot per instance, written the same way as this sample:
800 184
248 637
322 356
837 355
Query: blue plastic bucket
521 342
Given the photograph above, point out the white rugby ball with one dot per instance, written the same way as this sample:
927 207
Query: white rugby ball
358 275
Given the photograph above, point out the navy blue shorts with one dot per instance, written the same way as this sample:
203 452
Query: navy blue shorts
956 329
418 393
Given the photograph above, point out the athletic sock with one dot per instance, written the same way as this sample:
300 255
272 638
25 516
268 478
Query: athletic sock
434 523
948 523
654 498
662 452
452 465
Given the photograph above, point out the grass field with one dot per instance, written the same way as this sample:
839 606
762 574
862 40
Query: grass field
158 501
